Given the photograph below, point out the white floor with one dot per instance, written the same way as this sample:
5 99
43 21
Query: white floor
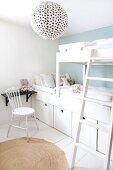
85 161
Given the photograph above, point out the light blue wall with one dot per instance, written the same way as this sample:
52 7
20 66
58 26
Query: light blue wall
106 32
76 70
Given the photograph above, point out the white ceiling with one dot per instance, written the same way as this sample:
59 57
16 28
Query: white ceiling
83 15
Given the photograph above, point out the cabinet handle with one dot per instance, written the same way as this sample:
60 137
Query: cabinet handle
45 104
62 111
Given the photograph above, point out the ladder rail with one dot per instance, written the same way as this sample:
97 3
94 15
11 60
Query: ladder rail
81 121
81 111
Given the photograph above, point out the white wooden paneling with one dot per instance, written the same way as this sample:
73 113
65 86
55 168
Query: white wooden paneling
88 134
45 112
97 112
102 142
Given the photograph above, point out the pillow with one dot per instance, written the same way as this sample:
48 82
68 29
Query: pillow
54 78
47 80
37 80
61 76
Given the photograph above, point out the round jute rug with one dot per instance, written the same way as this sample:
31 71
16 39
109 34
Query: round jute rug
37 154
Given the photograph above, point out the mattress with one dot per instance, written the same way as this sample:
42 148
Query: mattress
99 93
44 89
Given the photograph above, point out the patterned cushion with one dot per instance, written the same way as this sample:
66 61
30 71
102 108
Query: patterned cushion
37 80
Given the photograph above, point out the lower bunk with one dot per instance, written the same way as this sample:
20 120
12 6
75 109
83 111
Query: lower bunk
62 113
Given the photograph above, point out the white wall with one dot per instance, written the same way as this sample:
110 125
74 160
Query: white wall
22 55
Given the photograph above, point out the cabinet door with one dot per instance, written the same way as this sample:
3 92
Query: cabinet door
87 135
45 112
102 141
62 120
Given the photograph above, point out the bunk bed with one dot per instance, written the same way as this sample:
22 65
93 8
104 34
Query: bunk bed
60 107
79 53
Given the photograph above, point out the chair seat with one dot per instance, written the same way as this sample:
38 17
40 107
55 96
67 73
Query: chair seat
23 111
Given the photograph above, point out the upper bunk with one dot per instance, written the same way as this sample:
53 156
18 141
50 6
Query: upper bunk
81 52
100 50
73 52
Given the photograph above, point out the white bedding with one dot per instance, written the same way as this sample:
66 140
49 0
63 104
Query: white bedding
45 89
99 93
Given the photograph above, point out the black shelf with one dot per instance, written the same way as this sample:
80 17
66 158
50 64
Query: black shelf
27 93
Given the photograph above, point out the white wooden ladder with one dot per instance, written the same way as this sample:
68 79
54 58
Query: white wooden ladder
108 129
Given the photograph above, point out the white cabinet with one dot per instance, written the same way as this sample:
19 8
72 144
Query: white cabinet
103 117
62 120
102 141
44 112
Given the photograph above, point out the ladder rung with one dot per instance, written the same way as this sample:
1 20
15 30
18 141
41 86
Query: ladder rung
100 79
101 59
98 101
94 125
90 150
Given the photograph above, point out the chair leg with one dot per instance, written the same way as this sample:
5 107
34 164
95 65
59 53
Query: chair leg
19 120
36 121
10 126
27 129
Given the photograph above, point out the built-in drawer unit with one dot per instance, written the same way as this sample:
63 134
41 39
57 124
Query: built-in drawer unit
62 120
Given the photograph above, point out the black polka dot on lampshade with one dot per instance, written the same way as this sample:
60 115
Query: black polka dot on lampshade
49 20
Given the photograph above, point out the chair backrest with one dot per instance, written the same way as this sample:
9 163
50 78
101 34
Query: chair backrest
13 95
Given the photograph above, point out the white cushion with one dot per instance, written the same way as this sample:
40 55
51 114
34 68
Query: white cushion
37 80
47 80
23 111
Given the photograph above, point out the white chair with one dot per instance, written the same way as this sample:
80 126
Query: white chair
14 98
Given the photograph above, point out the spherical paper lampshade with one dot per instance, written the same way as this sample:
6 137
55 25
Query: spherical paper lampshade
49 20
